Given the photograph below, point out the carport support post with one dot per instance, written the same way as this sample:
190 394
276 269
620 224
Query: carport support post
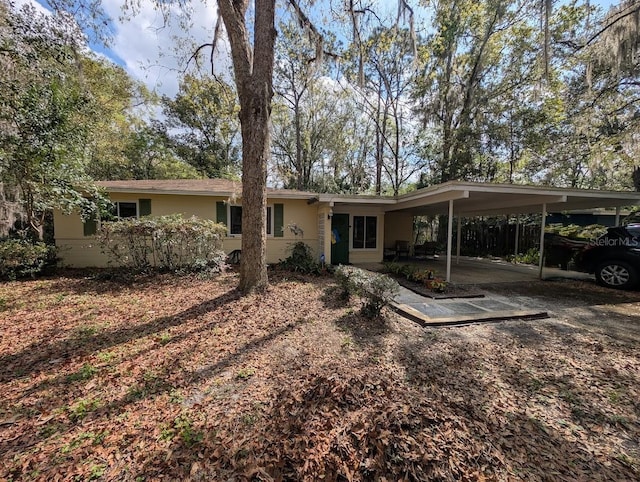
543 225
458 236
515 251
449 240
617 215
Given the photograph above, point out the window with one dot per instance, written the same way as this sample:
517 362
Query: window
365 232
125 209
269 221
120 210
235 220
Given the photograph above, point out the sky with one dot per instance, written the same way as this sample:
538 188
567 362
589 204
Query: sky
145 46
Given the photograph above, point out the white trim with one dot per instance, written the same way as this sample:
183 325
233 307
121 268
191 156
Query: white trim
223 194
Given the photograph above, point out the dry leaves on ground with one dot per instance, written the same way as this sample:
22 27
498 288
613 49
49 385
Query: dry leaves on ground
170 377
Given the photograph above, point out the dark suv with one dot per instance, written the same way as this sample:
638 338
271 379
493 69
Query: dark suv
614 257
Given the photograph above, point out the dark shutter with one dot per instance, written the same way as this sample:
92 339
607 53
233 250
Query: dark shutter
221 213
278 220
89 227
145 207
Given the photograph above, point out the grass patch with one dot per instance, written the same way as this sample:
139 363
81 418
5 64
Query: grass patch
87 372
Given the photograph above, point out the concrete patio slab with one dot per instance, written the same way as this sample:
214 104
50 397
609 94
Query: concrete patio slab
472 273
452 311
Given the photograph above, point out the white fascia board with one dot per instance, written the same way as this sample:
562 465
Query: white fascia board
552 191
334 199
430 191
169 191
277 195
504 205
427 199
274 195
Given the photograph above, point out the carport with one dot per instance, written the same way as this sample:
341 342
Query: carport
458 199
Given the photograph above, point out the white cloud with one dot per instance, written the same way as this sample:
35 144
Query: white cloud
156 53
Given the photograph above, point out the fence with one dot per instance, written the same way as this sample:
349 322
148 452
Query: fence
482 238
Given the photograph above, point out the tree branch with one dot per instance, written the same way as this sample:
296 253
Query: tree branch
634 9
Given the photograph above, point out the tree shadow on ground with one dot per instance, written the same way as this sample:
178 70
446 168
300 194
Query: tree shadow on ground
333 297
564 292
36 358
145 386
456 376
365 332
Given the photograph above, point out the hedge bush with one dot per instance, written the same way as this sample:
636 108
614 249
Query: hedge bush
165 243
378 290
20 258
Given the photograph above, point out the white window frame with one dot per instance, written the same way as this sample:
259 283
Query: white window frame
117 204
353 227
270 226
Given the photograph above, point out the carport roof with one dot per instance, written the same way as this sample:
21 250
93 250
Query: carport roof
482 199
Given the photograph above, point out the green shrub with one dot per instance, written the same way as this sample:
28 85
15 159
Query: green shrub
301 259
378 290
412 273
20 258
349 278
532 256
575 231
165 243
393 268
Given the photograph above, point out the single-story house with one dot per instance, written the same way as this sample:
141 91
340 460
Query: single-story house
342 228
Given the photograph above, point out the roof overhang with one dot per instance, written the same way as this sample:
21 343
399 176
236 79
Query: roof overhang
469 198
482 199
271 193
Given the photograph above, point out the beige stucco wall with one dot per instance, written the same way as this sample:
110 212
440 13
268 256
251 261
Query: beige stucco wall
77 250
362 255
398 226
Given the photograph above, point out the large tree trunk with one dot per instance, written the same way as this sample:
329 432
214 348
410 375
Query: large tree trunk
255 151
253 69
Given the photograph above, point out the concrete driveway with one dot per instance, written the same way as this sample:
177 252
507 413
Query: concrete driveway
478 271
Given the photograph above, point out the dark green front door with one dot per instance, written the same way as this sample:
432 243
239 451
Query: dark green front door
340 239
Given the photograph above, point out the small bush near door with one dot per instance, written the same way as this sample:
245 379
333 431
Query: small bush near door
378 290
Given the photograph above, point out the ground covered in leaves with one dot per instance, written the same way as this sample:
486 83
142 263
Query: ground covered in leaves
166 377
